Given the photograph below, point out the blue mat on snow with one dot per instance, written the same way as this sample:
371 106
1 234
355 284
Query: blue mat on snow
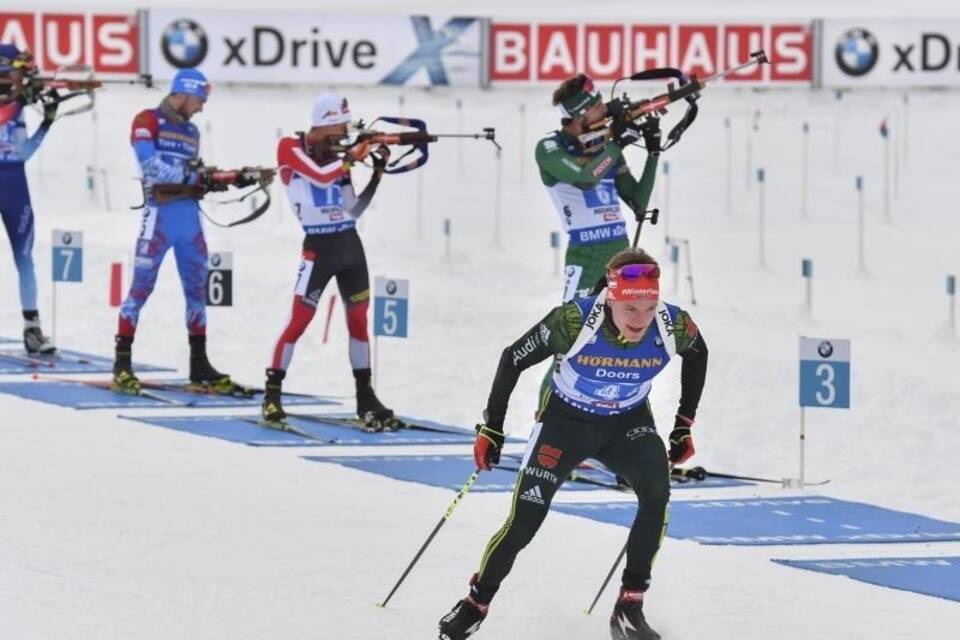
451 471
78 395
933 576
245 430
775 521
13 359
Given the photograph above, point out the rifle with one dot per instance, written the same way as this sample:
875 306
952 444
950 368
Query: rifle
211 179
67 83
687 89
415 136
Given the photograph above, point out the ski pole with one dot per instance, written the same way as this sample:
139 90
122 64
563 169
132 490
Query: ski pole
453 505
699 473
606 580
693 473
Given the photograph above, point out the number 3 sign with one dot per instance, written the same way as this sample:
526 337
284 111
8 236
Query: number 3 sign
824 373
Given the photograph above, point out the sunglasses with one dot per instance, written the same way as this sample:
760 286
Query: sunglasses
634 271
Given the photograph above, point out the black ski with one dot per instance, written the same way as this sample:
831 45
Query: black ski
285 427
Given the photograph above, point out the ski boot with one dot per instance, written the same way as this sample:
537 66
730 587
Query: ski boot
203 377
124 380
465 617
272 409
627 621
34 342
373 416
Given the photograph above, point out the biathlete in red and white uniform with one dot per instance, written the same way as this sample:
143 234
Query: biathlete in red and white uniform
319 187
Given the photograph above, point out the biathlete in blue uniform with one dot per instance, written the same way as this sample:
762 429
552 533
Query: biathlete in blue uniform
166 144
613 344
16 147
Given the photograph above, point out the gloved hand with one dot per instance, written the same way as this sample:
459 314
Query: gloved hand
618 126
50 109
245 180
380 156
630 135
650 129
358 152
486 448
681 440
207 180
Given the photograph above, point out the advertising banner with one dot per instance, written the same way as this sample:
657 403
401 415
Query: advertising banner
890 53
528 52
109 42
312 47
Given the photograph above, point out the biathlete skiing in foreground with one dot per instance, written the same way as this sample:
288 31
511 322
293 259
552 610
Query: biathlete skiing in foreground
613 344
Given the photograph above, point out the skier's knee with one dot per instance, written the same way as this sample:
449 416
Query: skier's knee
357 320
655 494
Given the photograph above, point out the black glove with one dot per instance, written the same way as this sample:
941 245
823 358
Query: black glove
486 448
681 440
244 180
206 180
618 125
50 107
650 129
380 156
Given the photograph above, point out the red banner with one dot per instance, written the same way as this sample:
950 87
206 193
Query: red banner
548 52
107 42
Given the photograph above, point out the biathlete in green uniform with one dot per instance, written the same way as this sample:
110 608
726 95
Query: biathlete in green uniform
587 181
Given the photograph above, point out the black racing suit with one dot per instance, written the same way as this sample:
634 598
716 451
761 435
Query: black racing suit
626 443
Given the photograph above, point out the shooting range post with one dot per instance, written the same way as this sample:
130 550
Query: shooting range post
824 382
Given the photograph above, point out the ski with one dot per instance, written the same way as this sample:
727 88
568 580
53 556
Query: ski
27 360
108 385
285 427
357 423
143 393
205 388
40 360
699 474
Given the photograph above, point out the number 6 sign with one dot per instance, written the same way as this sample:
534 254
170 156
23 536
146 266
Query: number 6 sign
824 373
220 279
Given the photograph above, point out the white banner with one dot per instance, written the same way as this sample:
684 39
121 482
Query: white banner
313 48
890 53
549 51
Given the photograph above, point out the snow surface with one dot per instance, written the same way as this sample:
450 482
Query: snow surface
110 529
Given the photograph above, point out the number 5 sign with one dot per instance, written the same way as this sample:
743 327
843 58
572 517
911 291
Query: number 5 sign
824 373
390 307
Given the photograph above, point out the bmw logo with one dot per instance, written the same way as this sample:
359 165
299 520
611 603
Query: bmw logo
184 44
857 52
825 349
215 260
391 287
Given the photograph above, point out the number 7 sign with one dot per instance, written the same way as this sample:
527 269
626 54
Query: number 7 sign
824 373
